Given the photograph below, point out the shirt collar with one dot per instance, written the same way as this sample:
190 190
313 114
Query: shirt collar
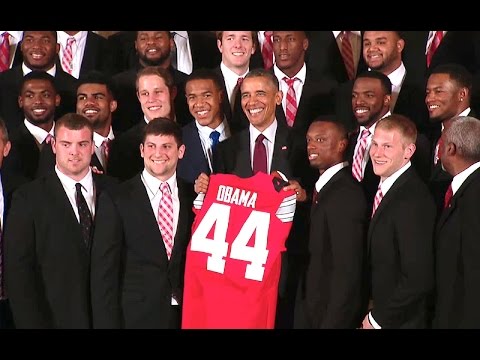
153 184
26 70
99 139
460 178
328 174
389 181
301 74
37 132
269 132
69 183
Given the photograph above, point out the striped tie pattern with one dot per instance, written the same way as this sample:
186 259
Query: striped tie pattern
291 106
357 171
165 218
347 54
5 52
378 198
67 59
434 45
267 50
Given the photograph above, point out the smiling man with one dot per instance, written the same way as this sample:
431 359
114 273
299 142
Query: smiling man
140 241
400 234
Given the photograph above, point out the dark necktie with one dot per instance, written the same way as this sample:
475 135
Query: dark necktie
214 136
448 197
259 155
84 214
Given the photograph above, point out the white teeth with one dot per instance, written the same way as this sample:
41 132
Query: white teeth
433 107
360 111
312 156
91 112
153 108
38 111
201 113
238 53
255 111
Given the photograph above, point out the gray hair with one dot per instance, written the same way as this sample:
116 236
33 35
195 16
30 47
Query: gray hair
464 132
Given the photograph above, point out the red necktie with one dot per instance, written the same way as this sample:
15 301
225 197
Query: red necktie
358 160
315 197
260 155
291 106
267 50
106 150
448 197
434 46
347 54
165 217
5 52
378 198
67 59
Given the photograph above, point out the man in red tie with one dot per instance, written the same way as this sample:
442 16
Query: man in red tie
456 250
400 234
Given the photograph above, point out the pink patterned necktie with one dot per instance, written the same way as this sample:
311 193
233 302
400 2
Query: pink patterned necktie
48 139
106 150
434 45
377 199
359 156
267 50
5 52
347 54
291 104
165 218
67 59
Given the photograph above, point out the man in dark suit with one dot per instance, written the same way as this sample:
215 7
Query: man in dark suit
456 240
155 93
39 49
96 101
153 49
448 95
286 152
331 292
400 234
204 97
48 235
382 51
90 52
312 93
31 154
9 182
325 57
137 278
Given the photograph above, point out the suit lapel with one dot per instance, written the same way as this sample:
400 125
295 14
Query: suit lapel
328 186
281 151
243 155
182 225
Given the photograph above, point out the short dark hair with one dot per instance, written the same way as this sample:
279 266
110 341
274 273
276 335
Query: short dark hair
259 72
96 77
38 75
73 121
205 74
163 126
333 120
457 73
384 80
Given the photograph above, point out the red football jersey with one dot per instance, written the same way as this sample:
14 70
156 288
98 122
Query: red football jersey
234 256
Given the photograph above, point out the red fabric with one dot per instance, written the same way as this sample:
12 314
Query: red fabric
291 105
165 218
267 50
67 59
347 54
377 200
5 52
359 156
448 197
434 46
260 155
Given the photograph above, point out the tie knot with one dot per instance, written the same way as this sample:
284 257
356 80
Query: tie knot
365 133
70 41
164 188
260 138
78 187
239 81
106 143
5 37
290 81
268 34
214 135
48 139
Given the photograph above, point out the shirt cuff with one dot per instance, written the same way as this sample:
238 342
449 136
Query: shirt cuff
373 322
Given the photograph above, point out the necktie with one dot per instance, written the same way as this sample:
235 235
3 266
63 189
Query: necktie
315 197
214 136
291 104
378 198
5 52
347 54
67 59
105 151
84 215
48 139
359 156
260 155
165 218
173 53
267 50
448 197
433 46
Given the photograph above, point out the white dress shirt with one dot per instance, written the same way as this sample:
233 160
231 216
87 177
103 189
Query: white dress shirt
78 49
98 140
184 53
204 134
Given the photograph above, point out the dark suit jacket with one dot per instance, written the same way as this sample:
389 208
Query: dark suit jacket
10 182
330 291
129 110
26 157
10 84
324 56
97 55
400 246
132 278
456 255
47 264
194 160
